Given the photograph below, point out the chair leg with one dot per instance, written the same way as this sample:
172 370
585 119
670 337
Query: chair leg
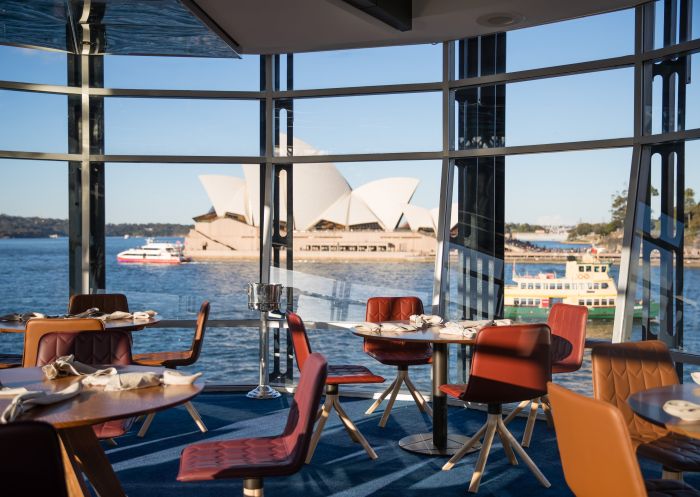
344 418
523 455
146 425
195 416
515 411
381 398
530 426
465 448
547 408
491 425
253 487
351 426
392 399
506 447
418 397
325 411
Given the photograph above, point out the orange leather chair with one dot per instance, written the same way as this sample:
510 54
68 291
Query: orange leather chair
568 325
105 302
45 340
401 355
621 369
178 359
337 375
509 364
597 453
256 458
30 462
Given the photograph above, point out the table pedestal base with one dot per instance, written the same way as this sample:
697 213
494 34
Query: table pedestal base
263 392
423 444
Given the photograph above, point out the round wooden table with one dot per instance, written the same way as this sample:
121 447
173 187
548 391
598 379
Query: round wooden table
73 419
115 324
649 405
437 443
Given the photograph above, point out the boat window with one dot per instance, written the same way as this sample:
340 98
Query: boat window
588 269
603 285
567 286
559 286
589 302
596 268
581 302
596 302
538 286
516 301
603 269
537 301
529 286
596 286
522 285
580 269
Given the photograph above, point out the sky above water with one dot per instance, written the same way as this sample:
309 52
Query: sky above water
556 188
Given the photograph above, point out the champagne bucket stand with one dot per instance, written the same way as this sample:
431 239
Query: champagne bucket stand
264 297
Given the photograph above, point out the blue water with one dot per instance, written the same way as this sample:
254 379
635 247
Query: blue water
34 277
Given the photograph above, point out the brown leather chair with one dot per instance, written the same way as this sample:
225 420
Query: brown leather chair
568 325
399 354
105 302
30 462
178 359
509 364
45 340
256 458
597 453
337 375
621 369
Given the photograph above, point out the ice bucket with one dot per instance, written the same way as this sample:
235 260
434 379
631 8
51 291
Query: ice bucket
264 296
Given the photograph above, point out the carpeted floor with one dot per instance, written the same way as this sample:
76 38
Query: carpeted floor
147 467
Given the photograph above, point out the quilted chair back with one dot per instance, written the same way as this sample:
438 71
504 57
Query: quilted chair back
596 452
393 309
300 341
568 325
621 369
38 328
105 302
88 347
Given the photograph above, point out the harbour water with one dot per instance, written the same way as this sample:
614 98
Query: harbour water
34 277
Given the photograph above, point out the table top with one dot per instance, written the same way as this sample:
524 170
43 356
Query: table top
94 405
115 324
649 405
429 334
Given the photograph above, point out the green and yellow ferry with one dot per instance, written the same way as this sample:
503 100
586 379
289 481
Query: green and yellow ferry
586 282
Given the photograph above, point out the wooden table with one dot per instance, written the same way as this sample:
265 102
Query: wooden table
649 405
73 419
115 324
438 442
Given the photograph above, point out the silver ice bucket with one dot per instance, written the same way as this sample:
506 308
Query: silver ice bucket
264 296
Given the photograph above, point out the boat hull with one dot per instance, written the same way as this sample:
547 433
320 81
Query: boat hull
148 261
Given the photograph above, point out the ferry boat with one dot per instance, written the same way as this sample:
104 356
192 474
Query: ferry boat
587 282
154 253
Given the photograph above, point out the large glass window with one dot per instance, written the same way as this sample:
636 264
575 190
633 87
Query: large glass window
32 66
33 122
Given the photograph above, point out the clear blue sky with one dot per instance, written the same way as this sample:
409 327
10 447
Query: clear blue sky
544 188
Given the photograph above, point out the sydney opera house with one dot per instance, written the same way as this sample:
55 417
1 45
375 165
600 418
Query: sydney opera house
331 219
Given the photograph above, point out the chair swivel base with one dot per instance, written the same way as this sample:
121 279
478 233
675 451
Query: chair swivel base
422 443
262 392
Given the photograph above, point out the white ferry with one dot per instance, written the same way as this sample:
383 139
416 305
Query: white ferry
154 253
587 282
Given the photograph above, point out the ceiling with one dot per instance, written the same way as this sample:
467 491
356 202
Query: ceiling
283 26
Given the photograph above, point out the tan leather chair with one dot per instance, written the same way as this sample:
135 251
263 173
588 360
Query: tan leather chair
105 302
178 359
596 451
37 328
621 369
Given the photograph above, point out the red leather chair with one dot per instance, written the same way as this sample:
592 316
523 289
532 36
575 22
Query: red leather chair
30 462
509 364
255 458
337 375
105 302
568 325
401 355
45 340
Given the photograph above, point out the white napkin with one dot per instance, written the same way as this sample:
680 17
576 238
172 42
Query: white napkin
687 411
127 315
27 400
423 319
139 379
695 375
68 366
374 327
145 314
398 327
172 377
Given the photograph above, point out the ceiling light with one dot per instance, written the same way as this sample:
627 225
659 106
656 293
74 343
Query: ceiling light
500 19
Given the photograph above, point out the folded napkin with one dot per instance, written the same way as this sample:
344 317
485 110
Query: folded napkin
139 379
127 315
398 327
12 317
467 329
373 327
68 366
26 400
687 411
425 319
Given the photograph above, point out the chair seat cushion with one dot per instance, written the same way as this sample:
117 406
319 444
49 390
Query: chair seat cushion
453 390
346 374
244 458
673 451
669 488
166 359
564 368
491 392
113 429
399 357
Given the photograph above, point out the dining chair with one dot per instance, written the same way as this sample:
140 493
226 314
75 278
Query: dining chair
597 453
105 302
253 459
337 375
568 325
622 369
509 364
175 359
399 354
31 462
45 340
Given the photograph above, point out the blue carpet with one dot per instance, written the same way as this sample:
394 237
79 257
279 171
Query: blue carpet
147 467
